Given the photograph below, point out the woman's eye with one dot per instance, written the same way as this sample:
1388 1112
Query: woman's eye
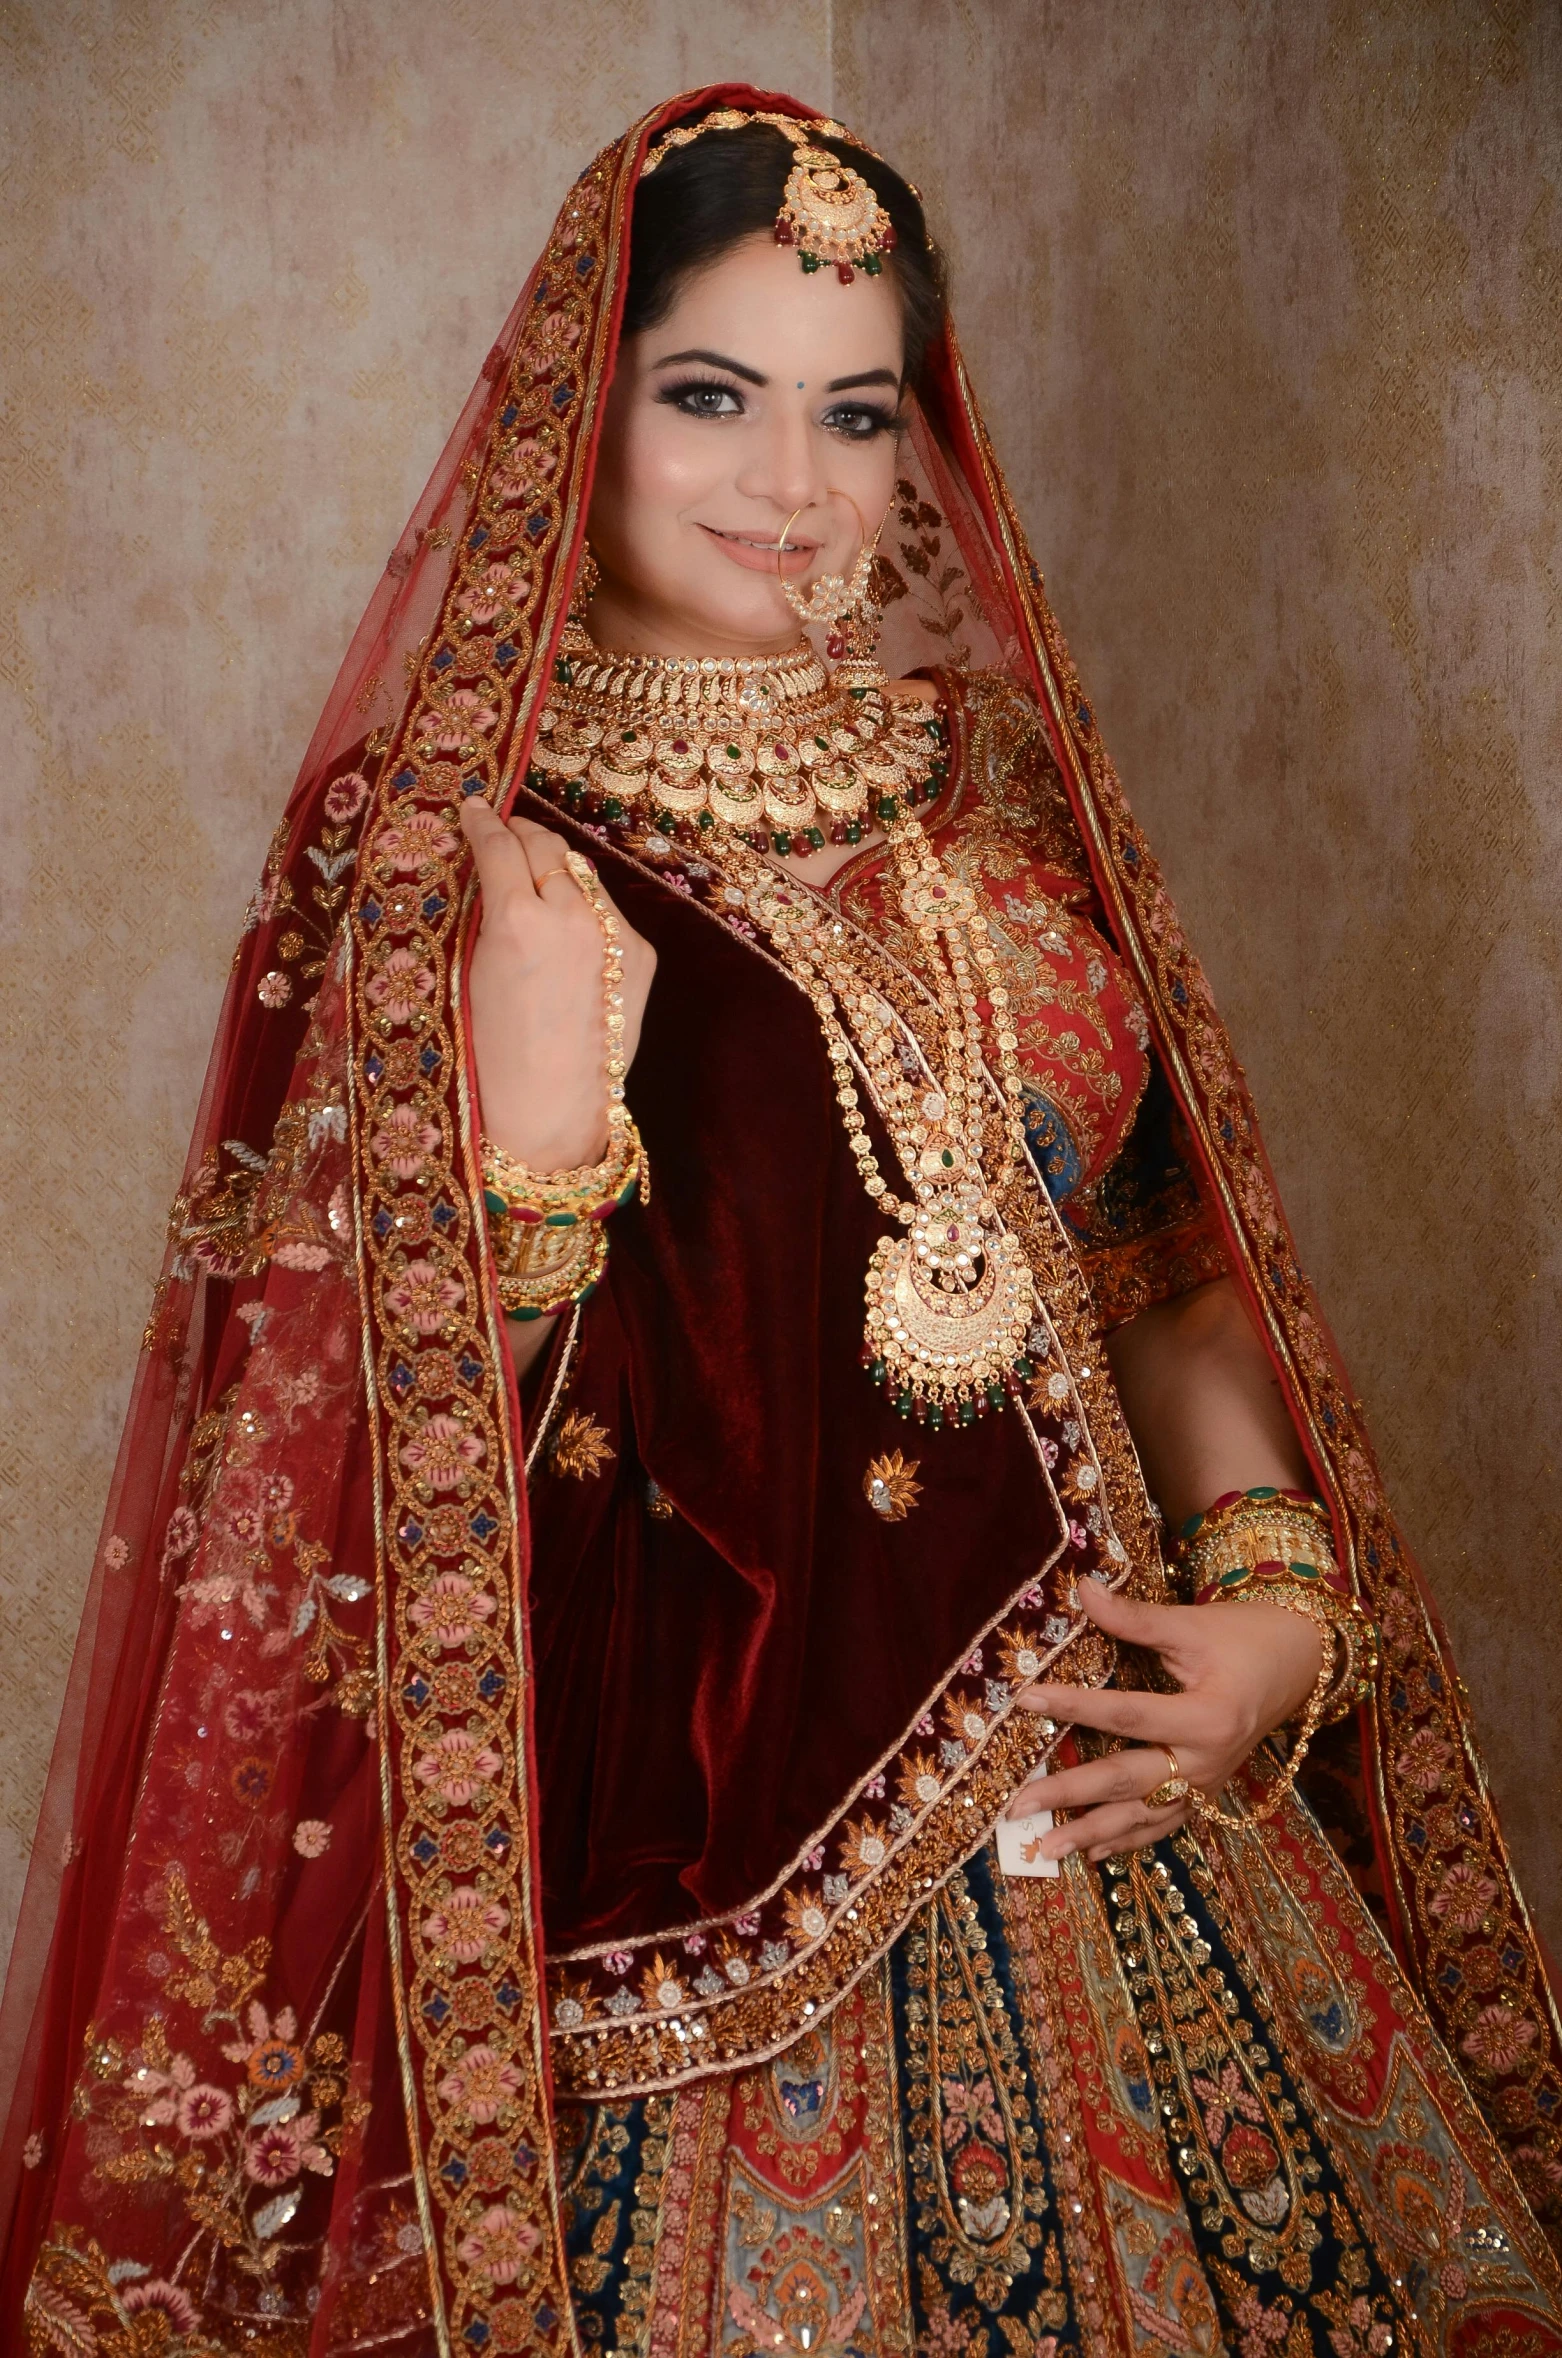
703 400
858 421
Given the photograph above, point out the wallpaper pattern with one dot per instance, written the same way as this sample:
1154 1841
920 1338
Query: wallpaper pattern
1266 304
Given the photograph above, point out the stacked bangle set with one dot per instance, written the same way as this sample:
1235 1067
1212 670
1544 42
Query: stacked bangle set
549 1233
1275 1547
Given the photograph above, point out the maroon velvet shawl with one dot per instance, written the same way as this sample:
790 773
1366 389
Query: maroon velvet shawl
297 1838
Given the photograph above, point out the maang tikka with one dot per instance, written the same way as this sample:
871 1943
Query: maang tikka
828 211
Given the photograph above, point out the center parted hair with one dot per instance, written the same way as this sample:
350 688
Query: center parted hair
706 198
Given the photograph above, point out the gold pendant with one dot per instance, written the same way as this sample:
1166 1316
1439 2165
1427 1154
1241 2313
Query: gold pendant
949 1309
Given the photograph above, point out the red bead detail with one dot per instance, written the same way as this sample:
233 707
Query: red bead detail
888 240
784 235
845 273
835 647
838 832
801 847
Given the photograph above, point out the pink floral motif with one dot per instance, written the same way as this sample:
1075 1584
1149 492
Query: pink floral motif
1262 2329
1463 1897
448 727
440 1452
970 2106
1498 2038
401 985
155 2292
273 2156
450 1608
410 844
312 1837
482 2083
524 474
458 1765
424 1295
32 2151
1425 1761
345 797
204 2111
116 1554
500 588
404 1141
275 989
465 1924
500 2244
182 1533
250 1715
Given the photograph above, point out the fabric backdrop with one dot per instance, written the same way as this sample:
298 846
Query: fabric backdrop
1265 302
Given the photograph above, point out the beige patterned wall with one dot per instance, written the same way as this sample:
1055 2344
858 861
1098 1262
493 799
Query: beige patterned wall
1265 299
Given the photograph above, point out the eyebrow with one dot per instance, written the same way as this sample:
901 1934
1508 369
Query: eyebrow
751 376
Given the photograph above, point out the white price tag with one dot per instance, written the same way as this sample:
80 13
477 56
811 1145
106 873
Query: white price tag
1019 1844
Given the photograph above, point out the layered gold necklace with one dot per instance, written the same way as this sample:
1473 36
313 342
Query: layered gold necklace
737 757
766 746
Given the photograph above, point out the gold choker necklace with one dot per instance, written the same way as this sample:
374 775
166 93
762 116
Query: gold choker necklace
773 746
731 758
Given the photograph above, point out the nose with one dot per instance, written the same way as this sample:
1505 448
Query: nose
781 467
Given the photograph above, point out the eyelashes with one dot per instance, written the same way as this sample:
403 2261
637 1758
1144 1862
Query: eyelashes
697 397
713 397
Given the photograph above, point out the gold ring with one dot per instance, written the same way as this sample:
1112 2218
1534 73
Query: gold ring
1174 1787
539 881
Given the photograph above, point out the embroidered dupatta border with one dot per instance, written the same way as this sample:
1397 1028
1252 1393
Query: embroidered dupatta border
457 1779
1451 1886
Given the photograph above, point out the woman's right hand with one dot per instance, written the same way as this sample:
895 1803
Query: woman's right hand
535 997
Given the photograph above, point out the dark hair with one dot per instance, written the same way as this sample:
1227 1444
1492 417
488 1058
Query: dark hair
705 198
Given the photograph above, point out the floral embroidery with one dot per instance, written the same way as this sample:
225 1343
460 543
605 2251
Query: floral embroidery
239 2152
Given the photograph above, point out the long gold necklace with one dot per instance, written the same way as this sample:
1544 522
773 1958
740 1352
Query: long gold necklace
950 1302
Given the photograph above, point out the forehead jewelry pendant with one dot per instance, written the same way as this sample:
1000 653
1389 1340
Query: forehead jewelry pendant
828 211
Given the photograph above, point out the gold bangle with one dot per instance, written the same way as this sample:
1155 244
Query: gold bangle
1226 1544
552 1268
592 1190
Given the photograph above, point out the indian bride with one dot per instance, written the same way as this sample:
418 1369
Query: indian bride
748 1686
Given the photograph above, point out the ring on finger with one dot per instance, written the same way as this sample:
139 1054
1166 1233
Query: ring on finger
539 881
1174 1787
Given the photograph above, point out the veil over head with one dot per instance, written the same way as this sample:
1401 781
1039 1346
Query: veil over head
284 1909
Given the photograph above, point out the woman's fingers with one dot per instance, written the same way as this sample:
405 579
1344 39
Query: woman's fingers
1125 1825
1119 1711
1119 1776
502 863
1156 1626
544 853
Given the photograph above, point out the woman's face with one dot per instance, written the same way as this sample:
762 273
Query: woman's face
766 390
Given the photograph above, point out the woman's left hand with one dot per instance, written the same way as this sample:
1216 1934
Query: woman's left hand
1244 1671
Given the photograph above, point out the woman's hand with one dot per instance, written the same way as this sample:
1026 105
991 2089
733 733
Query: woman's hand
535 996
1244 1671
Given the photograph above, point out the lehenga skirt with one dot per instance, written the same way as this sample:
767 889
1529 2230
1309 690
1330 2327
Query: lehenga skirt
1179 2103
